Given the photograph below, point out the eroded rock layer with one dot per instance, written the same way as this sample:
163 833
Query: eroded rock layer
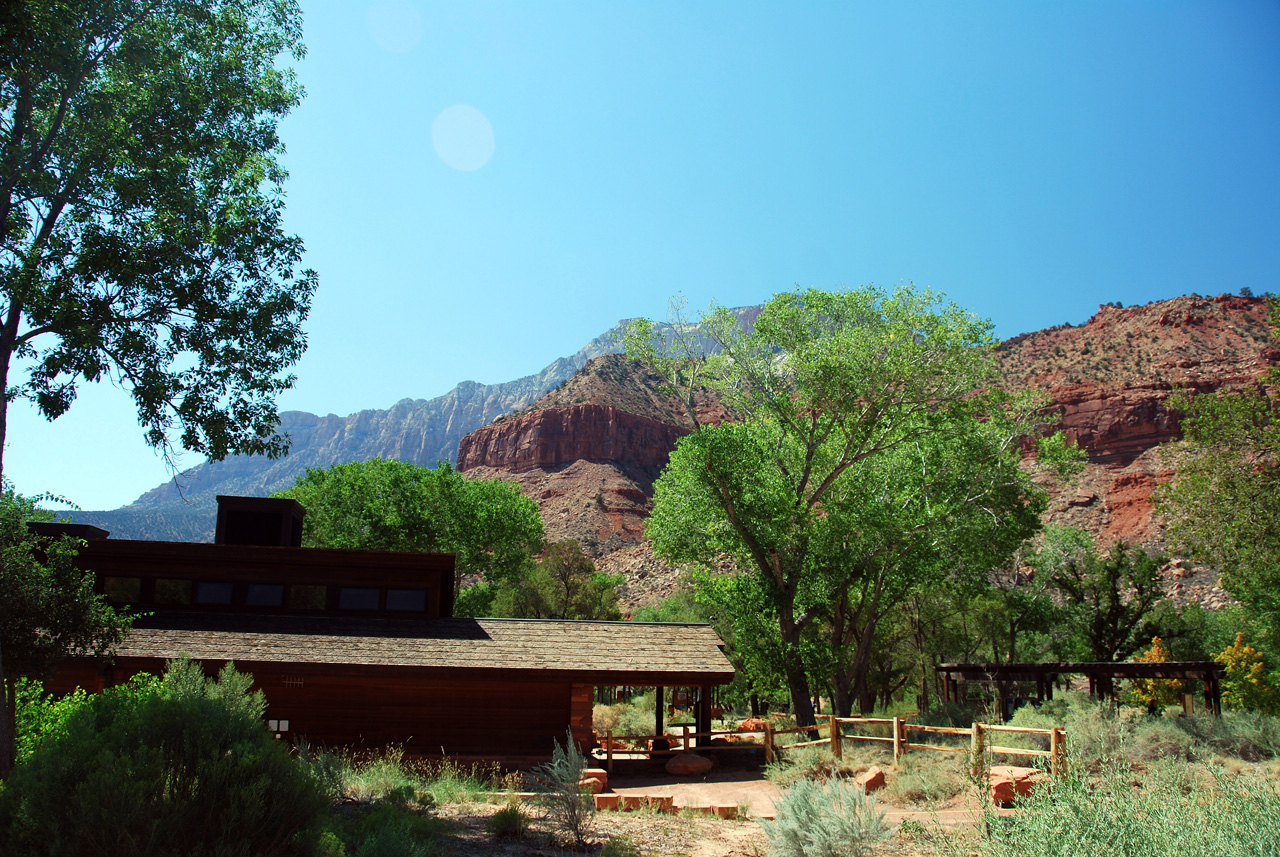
589 451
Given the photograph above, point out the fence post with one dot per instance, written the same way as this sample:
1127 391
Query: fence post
1055 751
975 751
608 750
684 741
897 738
836 739
768 742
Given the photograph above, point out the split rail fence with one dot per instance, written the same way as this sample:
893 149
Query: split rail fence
979 735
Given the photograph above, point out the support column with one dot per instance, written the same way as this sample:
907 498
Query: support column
659 710
703 719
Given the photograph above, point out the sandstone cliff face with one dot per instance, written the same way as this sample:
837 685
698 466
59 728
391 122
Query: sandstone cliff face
1110 380
591 468
549 438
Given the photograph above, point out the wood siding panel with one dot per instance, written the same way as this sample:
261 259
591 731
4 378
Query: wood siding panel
426 715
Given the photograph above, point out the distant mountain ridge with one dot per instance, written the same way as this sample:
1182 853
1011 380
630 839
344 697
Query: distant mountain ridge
421 431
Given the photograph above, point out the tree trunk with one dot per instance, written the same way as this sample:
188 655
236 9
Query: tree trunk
8 723
8 337
841 694
793 668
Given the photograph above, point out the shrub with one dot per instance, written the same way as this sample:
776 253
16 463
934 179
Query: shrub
1245 684
1243 735
925 777
566 803
620 846
183 767
832 819
805 763
510 822
1163 739
1172 811
605 718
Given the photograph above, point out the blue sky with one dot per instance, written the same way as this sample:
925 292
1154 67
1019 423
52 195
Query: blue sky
1031 160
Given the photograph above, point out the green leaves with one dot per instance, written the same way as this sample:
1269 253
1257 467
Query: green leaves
870 462
1223 505
382 504
140 214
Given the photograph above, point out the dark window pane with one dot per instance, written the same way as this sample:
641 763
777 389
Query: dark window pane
173 591
407 599
209 592
352 598
123 589
265 595
308 597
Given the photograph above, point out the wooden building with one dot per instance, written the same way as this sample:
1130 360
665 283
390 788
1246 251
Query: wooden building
360 649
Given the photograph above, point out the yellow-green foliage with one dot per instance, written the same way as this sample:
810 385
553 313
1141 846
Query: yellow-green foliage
1245 685
1154 692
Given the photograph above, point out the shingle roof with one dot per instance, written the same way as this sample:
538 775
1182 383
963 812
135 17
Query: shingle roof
621 652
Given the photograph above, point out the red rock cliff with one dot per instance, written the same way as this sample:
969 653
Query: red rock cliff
550 438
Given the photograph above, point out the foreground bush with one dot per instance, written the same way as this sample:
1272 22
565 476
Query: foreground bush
832 819
560 793
1168 810
185 766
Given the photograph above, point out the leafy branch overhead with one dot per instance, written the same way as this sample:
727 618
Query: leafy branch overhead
141 205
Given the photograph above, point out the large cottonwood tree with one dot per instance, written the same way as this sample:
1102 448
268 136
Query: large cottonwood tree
140 214
866 462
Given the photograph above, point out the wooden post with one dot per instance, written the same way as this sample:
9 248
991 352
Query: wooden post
608 751
1055 752
659 709
702 722
684 738
975 751
836 739
897 738
768 742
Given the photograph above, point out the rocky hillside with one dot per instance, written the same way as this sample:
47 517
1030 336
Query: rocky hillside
588 453
422 431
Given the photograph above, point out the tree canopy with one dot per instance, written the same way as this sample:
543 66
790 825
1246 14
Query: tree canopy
48 610
1223 504
383 504
141 204
872 457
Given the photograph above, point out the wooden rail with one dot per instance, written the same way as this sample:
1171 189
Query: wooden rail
900 739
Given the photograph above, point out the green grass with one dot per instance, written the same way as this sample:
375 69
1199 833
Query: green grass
1170 809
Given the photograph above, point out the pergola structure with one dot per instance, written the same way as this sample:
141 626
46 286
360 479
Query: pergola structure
1102 677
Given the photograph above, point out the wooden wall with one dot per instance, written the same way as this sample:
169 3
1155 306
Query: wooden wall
368 709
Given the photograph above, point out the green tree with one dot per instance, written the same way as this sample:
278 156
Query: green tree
562 584
48 610
141 209
1223 503
383 504
1107 599
866 463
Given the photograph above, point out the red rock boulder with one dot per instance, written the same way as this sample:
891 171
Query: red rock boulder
871 780
1009 782
688 765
